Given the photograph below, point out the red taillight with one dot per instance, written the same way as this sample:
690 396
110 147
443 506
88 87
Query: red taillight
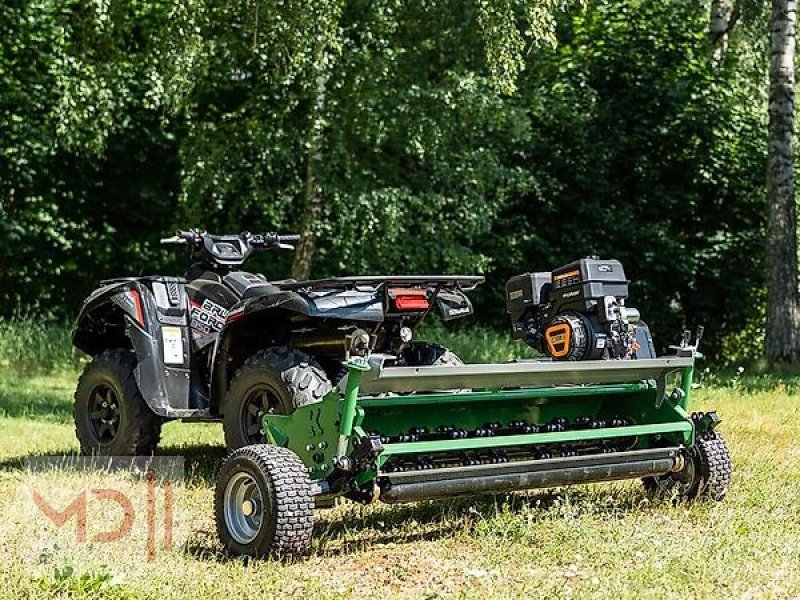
137 305
409 298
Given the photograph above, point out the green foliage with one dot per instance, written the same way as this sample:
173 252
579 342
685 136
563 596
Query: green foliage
490 137
83 166
643 152
66 582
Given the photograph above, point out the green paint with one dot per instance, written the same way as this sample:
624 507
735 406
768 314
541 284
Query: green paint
274 434
503 395
355 366
686 385
320 432
311 432
535 438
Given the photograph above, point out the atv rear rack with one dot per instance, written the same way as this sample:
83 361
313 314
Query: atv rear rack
463 282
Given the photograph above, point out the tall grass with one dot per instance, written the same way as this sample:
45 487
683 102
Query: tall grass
30 345
476 344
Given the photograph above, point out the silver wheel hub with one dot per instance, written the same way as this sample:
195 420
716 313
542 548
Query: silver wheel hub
243 508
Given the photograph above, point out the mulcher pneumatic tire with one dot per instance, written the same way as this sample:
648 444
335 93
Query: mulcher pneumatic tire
111 416
274 380
263 503
707 475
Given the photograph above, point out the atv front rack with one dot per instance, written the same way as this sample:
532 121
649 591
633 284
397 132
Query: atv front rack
412 433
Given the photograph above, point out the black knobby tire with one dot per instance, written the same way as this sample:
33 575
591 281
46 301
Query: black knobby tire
716 467
279 519
111 416
707 475
275 380
425 354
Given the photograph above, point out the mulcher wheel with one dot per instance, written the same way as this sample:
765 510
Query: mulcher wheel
706 476
276 380
263 503
111 416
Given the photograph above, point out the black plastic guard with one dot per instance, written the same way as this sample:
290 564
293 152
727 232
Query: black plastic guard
163 348
164 388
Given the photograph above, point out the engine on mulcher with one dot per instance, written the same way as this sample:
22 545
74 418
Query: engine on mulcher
578 312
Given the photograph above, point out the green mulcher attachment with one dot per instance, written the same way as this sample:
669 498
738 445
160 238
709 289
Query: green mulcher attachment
404 434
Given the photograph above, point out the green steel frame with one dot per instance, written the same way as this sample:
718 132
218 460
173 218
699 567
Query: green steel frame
325 432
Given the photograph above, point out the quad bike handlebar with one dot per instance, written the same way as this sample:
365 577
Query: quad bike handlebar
228 250
254 240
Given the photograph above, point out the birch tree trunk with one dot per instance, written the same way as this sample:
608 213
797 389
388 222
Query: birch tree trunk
720 18
312 209
782 335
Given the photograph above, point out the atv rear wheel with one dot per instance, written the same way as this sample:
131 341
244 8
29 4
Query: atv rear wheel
275 380
263 503
111 416
425 354
706 476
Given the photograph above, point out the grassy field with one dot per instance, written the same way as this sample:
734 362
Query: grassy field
605 541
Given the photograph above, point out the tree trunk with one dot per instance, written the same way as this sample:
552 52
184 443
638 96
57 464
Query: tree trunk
720 18
304 254
783 313
725 14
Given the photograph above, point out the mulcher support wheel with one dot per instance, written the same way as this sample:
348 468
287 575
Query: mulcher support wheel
276 380
111 416
263 503
706 476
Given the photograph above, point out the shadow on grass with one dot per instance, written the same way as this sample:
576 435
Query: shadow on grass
202 461
367 528
427 521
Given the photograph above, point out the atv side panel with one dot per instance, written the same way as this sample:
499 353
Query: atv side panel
151 316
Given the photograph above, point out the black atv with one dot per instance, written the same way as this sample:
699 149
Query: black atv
225 345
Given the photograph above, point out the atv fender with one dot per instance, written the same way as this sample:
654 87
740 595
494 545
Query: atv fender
272 313
149 315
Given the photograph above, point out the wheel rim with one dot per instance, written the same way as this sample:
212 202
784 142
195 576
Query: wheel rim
259 401
104 413
243 507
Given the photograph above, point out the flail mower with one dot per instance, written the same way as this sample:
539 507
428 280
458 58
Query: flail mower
598 406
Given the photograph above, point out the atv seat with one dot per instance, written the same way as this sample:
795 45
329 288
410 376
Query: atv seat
260 289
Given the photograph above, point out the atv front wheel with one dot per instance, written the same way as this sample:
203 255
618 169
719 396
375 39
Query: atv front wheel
111 416
275 380
706 475
263 503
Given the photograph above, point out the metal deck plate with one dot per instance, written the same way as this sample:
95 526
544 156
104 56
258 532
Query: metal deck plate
532 373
